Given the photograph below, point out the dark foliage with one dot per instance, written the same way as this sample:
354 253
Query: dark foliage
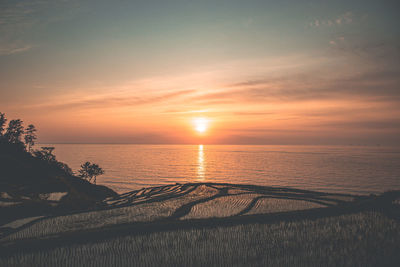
89 171
46 154
3 121
30 174
30 136
14 131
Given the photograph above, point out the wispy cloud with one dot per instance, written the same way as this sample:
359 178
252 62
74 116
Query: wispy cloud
252 113
9 49
112 101
19 18
375 86
343 19
373 76
346 18
381 54
369 124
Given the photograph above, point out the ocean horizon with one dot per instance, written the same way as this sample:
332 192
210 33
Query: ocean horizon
329 168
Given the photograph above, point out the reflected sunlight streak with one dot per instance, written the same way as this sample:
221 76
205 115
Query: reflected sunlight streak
200 164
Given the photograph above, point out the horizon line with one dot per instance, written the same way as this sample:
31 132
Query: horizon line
196 144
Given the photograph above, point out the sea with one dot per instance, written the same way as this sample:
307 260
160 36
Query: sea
341 169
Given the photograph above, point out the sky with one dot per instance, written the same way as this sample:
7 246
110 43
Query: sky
255 72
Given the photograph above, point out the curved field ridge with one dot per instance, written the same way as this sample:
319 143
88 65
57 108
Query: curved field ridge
181 202
182 207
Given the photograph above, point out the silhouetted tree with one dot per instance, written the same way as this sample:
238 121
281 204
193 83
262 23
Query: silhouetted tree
3 121
85 169
14 131
30 136
45 154
88 171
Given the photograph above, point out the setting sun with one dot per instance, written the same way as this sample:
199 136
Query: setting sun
201 124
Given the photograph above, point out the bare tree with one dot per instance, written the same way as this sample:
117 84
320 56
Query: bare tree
30 136
89 171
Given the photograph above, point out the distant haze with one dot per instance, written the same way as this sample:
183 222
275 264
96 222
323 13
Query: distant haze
259 72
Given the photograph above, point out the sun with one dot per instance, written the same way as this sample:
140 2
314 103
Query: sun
201 124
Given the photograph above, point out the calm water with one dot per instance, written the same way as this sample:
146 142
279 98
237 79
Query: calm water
360 170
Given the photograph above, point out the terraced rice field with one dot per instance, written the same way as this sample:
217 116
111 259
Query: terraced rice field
185 221
176 201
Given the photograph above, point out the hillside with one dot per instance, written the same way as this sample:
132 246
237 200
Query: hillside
32 186
209 224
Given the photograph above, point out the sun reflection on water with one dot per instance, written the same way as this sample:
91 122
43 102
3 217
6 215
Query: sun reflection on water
200 164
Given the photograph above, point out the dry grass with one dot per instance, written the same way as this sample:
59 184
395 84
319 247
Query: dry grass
363 239
269 205
221 207
144 212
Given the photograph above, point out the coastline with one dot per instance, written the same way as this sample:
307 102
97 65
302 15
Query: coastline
318 168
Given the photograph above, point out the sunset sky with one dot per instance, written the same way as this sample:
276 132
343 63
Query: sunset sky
256 72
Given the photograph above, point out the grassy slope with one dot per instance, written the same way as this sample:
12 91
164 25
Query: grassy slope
360 239
150 227
25 177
